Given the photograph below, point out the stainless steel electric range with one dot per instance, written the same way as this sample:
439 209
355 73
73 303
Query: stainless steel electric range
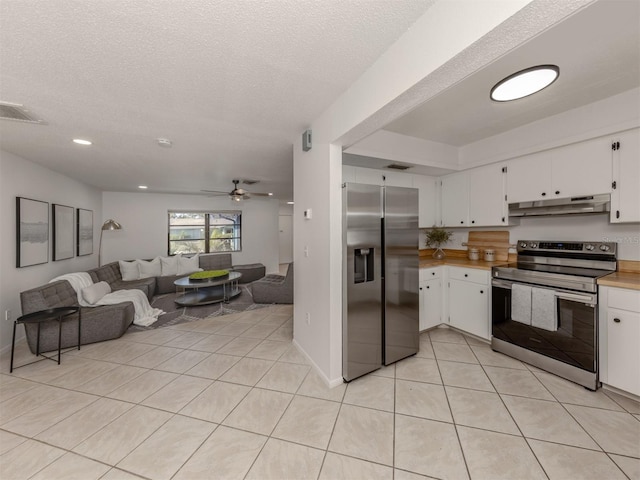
545 306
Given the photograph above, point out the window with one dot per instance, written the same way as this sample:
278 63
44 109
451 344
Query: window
204 232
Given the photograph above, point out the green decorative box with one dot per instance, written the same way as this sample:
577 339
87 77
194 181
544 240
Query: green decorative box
209 275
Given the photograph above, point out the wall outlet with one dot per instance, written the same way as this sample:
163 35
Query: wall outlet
7 315
308 317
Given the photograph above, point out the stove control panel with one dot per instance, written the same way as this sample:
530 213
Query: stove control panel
597 248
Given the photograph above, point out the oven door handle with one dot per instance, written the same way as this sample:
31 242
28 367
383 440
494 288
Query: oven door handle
587 299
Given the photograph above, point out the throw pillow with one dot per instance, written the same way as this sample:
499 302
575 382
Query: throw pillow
129 270
95 292
169 265
150 269
188 264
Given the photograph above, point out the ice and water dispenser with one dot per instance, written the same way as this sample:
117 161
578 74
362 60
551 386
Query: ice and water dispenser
363 265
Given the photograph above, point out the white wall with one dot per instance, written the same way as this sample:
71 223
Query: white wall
23 178
144 220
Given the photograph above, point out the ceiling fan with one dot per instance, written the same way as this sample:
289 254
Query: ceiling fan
239 194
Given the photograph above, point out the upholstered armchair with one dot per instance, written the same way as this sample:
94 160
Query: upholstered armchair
274 288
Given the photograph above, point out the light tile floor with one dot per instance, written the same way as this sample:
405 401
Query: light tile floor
231 397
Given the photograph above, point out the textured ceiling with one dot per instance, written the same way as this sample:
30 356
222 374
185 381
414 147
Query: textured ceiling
597 50
231 83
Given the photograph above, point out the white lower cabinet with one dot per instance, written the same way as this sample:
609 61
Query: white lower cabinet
620 338
469 307
463 304
430 304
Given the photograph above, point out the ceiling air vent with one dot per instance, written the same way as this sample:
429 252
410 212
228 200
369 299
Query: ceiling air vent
13 111
396 166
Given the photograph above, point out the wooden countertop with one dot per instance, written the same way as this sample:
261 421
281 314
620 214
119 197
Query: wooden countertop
627 276
455 258
458 262
621 280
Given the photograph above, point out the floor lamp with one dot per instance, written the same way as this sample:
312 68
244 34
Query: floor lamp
108 225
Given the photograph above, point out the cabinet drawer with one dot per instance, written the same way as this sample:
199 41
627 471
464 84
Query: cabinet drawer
469 275
624 299
429 273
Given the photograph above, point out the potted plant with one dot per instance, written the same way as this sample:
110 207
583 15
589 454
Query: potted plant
436 237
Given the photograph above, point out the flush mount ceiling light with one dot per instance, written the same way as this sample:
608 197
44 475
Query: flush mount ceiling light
142 187
80 141
524 83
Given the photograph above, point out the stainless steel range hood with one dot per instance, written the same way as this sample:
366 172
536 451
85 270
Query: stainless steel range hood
562 206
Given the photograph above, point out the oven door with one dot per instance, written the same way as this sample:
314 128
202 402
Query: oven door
575 339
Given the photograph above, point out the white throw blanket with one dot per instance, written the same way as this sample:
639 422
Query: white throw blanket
144 315
78 281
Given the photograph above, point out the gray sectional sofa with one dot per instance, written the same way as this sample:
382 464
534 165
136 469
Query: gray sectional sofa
106 322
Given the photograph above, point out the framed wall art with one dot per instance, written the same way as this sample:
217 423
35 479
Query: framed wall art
84 232
32 232
62 232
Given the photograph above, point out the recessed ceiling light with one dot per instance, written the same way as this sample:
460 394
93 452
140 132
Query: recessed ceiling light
524 83
80 141
289 203
142 187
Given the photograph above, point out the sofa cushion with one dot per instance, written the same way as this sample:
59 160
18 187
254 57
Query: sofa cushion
169 265
215 261
107 273
95 292
129 270
149 269
188 265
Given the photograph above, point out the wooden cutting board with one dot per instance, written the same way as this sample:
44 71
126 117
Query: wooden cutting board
497 240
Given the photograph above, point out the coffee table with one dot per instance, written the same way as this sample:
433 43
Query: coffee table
205 292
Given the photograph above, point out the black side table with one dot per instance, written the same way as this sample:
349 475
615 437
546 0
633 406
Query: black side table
52 314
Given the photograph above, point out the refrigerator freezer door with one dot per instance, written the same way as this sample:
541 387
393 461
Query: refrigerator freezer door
401 328
362 305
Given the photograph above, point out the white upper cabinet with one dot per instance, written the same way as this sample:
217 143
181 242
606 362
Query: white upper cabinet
348 174
429 200
369 176
397 179
625 197
474 198
487 205
529 177
455 199
579 169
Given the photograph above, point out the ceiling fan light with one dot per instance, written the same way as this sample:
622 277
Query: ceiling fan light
524 83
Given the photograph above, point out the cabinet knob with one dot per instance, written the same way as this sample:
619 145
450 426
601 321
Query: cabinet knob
420 288
461 222
544 194
617 320
473 221
557 192
433 273
427 286
481 291
466 274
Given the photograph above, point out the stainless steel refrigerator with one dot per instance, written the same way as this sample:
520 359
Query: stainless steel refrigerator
380 277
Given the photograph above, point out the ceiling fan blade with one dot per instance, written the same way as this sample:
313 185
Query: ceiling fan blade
215 191
261 194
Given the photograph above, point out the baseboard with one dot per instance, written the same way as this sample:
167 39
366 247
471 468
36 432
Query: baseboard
329 383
